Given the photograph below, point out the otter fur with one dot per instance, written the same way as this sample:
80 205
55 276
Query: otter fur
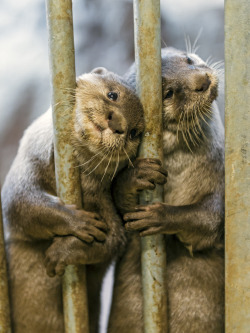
192 215
43 234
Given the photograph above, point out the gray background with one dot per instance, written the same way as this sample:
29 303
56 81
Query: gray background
103 37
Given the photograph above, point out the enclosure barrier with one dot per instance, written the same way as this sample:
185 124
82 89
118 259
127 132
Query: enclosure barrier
62 68
237 125
4 296
147 36
149 87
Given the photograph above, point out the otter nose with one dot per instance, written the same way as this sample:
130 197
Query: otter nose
115 123
202 83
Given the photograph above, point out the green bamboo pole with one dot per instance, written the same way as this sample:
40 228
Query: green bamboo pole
237 126
4 295
62 66
149 88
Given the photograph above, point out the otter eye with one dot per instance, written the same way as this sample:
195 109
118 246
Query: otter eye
169 94
189 61
132 134
112 95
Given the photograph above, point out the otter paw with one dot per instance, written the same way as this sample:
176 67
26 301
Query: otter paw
62 252
148 172
150 220
55 260
85 225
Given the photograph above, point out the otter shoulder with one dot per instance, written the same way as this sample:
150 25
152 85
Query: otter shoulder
37 141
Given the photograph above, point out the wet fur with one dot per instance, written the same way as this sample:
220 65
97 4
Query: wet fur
192 216
40 229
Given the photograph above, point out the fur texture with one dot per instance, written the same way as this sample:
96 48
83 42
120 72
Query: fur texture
108 120
192 215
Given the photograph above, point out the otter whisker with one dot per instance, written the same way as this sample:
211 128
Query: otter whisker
116 167
97 164
198 121
207 112
184 136
189 132
130 162
220 72
208 61
92 163
196 130
199 125
111 155
220 76
195 47
186 141
217 64
188 44
164 43
178 128
203 114
207 108
179 122
91 159
196 134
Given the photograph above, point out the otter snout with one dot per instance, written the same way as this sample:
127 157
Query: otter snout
116 123
202 82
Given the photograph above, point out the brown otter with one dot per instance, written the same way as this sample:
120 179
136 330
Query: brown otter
191 217
108 121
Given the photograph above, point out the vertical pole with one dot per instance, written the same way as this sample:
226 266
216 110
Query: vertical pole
62 66
4 295
237 125
149 88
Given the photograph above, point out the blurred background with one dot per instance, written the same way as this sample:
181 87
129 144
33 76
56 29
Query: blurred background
103 37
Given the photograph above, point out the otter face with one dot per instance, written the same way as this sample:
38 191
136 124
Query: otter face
108 116
189 88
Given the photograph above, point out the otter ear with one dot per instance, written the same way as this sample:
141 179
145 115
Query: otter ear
80 79
99 70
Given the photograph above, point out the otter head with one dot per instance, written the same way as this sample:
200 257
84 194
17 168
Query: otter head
108 118
189 88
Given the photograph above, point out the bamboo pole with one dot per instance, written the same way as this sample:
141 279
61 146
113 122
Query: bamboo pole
149 88
62 67
4 294
237 124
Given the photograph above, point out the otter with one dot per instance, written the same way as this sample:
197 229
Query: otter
42 233
191 217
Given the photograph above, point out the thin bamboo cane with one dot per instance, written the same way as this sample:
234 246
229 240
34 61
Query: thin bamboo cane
237 166
149 88
62 66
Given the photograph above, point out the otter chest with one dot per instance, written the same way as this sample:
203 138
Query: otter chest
181 188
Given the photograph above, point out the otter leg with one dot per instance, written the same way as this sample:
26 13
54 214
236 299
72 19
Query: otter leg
43 216
195 288
36 299
195 291
126 310
199 225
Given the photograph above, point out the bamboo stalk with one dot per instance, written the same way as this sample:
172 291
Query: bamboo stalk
237 153
62 67
149 88
4 294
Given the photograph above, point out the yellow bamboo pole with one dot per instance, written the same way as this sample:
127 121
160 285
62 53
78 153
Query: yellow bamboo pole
62 67
4 295
149 88
237 126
